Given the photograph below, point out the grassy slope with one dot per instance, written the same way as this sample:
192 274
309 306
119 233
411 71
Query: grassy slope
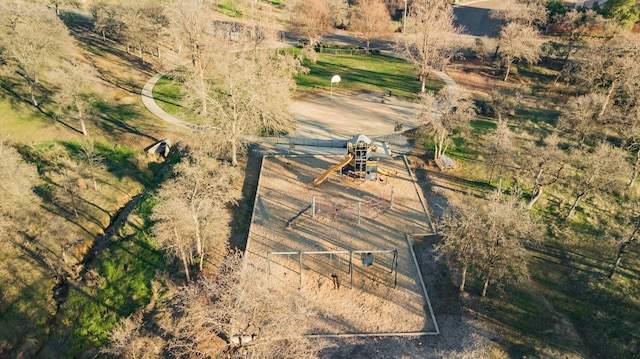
569 307
122 128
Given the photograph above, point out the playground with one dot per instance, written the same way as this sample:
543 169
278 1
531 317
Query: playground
344 241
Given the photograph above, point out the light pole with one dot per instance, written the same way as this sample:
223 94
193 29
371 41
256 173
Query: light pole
404 19
335 78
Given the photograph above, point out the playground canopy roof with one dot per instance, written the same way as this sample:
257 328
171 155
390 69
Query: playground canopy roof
360 138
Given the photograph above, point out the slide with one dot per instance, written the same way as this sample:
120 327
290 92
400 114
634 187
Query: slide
385 172
328 172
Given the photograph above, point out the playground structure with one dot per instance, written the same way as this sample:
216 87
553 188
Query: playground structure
343 248
335 263
358 160
339 210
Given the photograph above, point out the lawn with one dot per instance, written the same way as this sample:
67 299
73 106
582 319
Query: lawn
373 73
167 95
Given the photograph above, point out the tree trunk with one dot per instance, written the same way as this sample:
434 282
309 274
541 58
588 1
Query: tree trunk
186 267
34 102
575 204
234 153
621 252
493 165
607 99
463 278
537 188
234 144
634 174
423 89
485 286
537 192
506 75
84 128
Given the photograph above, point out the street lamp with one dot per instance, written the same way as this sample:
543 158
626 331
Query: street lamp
335 78
404 19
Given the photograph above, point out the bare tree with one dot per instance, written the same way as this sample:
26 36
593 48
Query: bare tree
192 25
582 119
33 41
371 20
608 64
546 163
93 159
460 227
627 124
596 172
17 180
311 19
441 115
500 148
503 258
629 211
249 94
107 20
529 13
191 218
518 42
75 90
266 320
429 44
128 341
339 12
486 238
578 26
143 24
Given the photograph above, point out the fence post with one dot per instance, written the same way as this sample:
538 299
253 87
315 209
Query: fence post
268 266
351 269
313 206
391 202
300 285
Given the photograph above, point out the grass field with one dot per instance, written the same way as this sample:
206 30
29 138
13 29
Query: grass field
373 73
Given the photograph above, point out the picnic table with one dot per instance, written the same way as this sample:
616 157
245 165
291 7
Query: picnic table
445 163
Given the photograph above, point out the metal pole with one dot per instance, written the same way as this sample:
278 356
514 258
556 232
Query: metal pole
300 285
392 190
359 205
404 23
313 204
351 270
395 255
269 264
331 93
395 277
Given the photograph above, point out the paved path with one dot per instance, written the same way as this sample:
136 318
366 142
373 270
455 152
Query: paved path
150 103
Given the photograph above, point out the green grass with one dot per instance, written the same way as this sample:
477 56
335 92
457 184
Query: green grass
126 269
167 95
373 73
605 312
